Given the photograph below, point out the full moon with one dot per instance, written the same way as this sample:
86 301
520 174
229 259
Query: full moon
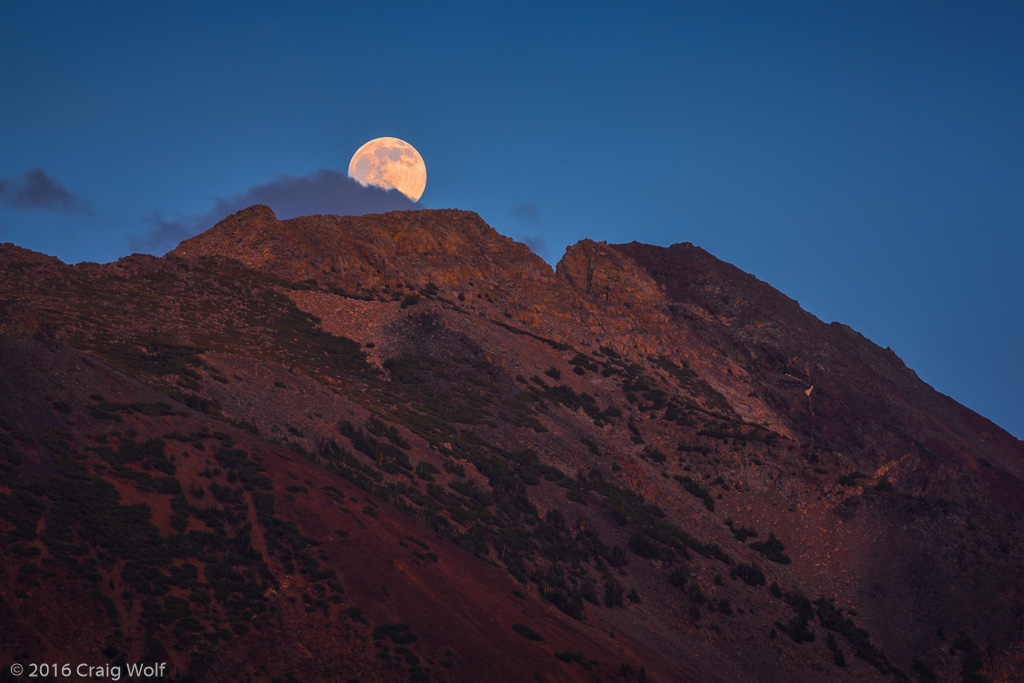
392 164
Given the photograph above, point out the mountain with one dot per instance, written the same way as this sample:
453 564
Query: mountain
402 447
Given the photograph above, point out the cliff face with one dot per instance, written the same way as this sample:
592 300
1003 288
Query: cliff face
401 447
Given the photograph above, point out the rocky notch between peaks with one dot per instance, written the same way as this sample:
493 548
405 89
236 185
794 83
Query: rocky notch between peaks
402 447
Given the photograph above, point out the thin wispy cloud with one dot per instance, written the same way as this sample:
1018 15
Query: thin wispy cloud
36 189
165 232
527 212
536 244
323 192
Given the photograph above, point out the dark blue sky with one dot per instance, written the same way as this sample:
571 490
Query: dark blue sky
866 158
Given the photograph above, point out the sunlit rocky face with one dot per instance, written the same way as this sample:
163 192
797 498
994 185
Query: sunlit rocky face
392 164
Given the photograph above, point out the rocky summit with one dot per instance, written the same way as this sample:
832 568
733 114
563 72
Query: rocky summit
401 447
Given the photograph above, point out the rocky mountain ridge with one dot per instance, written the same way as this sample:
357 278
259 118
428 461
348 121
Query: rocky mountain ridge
406 439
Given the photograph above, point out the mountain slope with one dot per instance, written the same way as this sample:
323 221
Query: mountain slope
648 458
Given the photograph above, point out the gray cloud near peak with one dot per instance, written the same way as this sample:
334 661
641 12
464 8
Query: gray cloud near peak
323 192
537 245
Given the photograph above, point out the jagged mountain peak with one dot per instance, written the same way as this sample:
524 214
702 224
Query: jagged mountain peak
368 252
